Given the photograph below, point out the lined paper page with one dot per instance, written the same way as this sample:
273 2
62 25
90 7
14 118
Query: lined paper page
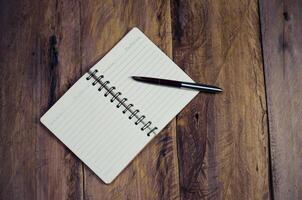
98 132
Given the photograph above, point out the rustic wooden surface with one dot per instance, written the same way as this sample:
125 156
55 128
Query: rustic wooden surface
217 147
281 25
40 53
222 139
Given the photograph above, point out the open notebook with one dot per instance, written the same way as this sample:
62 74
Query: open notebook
106 118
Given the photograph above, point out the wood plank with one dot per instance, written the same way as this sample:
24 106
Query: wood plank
282 48
222 139
154 173
40 41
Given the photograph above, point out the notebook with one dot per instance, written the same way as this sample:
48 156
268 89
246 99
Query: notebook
106 118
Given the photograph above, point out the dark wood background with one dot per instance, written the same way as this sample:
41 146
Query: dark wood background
245 143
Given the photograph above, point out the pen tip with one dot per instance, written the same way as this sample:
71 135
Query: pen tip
135 78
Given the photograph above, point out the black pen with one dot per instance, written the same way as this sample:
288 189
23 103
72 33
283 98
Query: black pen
179 84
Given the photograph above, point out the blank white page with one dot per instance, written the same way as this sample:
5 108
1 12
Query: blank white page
92 126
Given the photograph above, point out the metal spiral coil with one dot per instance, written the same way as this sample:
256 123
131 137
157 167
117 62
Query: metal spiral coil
121 101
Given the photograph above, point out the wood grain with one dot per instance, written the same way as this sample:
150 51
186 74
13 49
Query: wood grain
281 24
154 173
222 139
217 148
40 42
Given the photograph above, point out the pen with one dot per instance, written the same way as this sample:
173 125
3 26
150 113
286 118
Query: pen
179 84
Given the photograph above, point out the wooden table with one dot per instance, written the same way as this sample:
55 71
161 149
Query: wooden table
242 144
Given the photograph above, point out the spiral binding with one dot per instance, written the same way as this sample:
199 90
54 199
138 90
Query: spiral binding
116 96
